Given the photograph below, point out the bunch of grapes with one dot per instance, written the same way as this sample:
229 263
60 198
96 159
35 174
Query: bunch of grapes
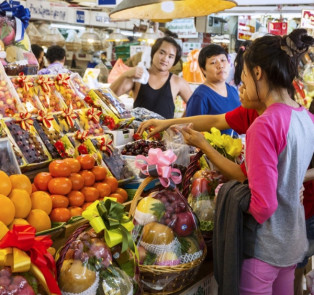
174 205
13 285
88 246
141 147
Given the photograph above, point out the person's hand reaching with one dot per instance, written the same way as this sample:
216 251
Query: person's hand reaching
153 126
192 137
135 73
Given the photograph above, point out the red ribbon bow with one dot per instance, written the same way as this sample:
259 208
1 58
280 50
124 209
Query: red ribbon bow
93 114
81 135
63 80
24 119
45 118
69 115
110 123
88 100
23 238
24 82
106 144
45 83
158 164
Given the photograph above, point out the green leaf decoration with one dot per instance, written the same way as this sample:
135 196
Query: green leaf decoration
5 31
150 259
20 45
158 210
185 245
31 280
128 268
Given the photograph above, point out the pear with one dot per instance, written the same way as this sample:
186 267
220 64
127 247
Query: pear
157 234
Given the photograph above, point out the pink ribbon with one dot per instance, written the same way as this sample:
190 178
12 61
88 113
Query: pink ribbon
158 164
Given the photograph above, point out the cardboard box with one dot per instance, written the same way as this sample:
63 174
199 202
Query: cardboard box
121 137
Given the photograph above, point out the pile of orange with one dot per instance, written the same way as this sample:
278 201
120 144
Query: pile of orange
18 205
73 184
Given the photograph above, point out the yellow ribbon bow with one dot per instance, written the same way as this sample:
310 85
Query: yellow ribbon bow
24 119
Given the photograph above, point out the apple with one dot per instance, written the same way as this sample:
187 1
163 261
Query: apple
9 34
142 253
199 187
185 224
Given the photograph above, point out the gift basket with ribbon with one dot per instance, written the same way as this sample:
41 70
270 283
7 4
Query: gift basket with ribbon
100 256
171 247
26 267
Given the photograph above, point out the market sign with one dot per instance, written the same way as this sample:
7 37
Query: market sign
99 18
246 28
80 16
278 28
106 2
307 20
184 27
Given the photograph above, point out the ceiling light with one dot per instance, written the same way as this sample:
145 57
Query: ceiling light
66 26
159 9
148 37
116 36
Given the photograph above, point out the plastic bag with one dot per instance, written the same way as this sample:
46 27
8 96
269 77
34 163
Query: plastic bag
310 281
191 70
118 69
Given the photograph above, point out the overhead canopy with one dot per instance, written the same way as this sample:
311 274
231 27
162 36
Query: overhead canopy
161 9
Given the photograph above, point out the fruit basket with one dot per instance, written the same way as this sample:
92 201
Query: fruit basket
171 247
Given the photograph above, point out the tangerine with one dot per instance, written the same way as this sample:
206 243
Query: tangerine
87 161
41 180
41 200
123 193
91 193
119 198
39 219
60 215
99 172
103 188
59 168
60 186
75 211
85 205
22 202
74 164
34 188
88 176
59 201
7 210
113 183
5 183
76 198
77 181
21 181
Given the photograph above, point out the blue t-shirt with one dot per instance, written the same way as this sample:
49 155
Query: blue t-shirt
205 101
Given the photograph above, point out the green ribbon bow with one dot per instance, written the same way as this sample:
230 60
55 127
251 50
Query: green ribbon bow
110 216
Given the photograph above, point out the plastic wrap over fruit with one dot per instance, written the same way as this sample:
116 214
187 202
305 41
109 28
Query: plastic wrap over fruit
166 230
202 194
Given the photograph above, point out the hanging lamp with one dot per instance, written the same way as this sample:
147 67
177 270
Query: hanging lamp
162 9
116 36
149 37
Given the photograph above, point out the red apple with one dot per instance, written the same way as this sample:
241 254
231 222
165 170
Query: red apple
185 224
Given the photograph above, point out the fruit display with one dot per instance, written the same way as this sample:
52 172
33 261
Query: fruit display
24 86
202 194
141 147
67 120
69 94
77 83
92 262
10 103
90 121
48 95
49 131
28 142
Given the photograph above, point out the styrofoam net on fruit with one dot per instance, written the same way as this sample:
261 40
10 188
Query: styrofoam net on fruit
174 246
186 258
90 291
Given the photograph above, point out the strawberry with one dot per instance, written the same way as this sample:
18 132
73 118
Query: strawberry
136 136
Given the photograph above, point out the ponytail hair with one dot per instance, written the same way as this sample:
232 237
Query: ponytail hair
238 62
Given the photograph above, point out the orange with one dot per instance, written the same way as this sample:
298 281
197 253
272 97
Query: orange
89 177
41 200
99 172
59 168
123 193
103 188
77 181
86 205
5 183
22 202
7 210
91 194
59 201
119 198
60 186
39 219
41 180
76 198
60 215
86 161
113 183
34 188
74 164
21 181
21 221
75 211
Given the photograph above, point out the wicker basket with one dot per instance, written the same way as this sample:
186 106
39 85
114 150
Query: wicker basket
178 276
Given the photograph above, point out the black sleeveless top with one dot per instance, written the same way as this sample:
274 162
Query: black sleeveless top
159 101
